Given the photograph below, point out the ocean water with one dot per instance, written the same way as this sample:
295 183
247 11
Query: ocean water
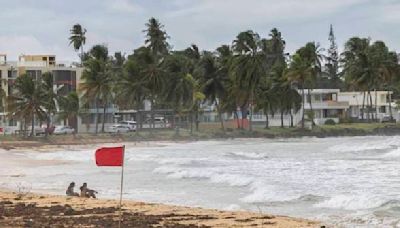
346 182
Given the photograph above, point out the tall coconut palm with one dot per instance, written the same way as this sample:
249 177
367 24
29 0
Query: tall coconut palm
298 73
213 79
51 98
180 84
248 67
130 90
97 81
69 107
362 66
27 103
78 39
156 38
304 69
157 44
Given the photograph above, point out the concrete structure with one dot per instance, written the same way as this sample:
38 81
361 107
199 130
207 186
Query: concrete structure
380 104
66 78
325 104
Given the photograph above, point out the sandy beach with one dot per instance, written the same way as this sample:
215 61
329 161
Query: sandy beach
36 210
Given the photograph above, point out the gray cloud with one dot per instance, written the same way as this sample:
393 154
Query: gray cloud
42 26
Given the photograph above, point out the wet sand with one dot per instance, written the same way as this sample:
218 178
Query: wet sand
35 210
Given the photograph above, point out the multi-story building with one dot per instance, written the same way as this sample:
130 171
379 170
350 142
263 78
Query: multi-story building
66 77
360 103
325 104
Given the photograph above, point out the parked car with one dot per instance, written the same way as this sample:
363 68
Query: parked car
130 124
63 130
159 122
387 119
37 131
118 128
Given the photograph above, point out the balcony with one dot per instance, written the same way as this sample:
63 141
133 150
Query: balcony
328 105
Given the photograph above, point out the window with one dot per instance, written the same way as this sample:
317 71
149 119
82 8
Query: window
317 97
383 98
327 97
12 74
382 109
36 74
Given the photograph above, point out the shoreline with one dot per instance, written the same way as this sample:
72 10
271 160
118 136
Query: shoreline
41 210
9 142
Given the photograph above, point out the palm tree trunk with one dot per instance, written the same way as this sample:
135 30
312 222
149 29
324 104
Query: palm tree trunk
235 116
97 116
33 125
282 118
266 120
291 118
81 55
363 107
191 122
370 106
138 121
251 111
152 115
197 122
47 125
311 109
376 106
221 119
104 117
390 105
244 114
302 115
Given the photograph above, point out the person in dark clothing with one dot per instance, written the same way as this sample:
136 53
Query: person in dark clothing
70 190
86 192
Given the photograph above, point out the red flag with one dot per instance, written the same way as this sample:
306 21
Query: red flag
110 156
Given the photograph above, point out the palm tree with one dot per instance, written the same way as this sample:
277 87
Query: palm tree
158 47
180 84
78 39
248 67
266 101
156 38
213 79
97 81
27 103
364 65
51 98
389 71
130 90
69 107
304 69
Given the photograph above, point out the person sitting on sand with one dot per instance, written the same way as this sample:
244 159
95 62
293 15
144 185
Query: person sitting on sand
70 190
86 192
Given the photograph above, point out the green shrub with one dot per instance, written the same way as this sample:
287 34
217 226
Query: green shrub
330 122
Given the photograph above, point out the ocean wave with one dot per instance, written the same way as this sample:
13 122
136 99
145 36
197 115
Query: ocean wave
247 155
213 175
352 202
64 155
392 154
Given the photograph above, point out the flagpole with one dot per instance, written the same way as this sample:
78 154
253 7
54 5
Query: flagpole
122 185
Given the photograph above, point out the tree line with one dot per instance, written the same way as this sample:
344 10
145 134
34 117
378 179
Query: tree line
249 75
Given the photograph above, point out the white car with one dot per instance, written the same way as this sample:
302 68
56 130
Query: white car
130 124
63 130
118 128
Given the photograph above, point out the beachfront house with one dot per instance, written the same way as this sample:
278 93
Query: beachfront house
360 101
325 104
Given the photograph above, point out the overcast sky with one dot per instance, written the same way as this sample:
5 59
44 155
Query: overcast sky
42 26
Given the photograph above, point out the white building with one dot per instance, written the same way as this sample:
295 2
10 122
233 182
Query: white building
359 104
325 105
